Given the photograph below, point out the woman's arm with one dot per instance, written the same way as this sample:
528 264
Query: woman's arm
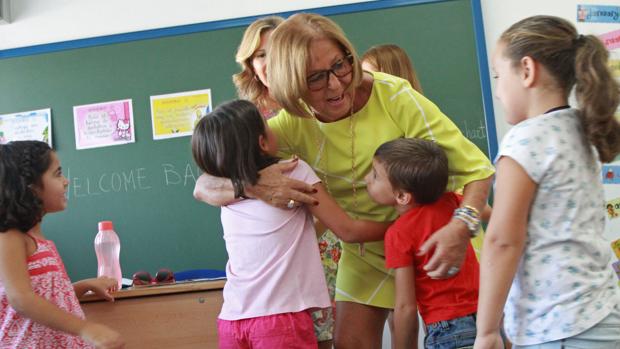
405 309
503 247
469 168
273 188
21 297
346 228
449 243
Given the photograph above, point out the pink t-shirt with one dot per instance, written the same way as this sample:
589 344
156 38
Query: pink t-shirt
50 281
273 264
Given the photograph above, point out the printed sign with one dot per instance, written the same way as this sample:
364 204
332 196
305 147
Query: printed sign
611 174
103 124
176 114
616 266
599 14
611 40
35 125
613 208
616 247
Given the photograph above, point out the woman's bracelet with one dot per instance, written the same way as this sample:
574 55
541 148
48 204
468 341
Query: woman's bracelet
470 216
239 189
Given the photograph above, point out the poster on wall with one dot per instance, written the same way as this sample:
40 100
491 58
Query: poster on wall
611 40
604 22
598 13
103 124
34 125
175 115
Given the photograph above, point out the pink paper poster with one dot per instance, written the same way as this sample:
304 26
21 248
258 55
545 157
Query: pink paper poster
611 40
103 124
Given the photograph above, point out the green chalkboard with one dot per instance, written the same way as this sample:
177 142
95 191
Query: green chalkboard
145 188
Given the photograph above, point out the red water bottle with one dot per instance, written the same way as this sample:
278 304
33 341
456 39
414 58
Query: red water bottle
108 248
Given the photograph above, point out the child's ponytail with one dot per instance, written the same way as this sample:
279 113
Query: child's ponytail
573 59
598 95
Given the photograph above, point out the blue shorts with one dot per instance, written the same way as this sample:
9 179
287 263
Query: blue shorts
451 334
604 335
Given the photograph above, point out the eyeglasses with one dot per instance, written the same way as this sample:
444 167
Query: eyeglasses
340 69
143 278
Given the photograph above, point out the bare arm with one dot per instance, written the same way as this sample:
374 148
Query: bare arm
503 247
485 216
102 286
273 188
346 228
405 309
215 191
449 243
21 297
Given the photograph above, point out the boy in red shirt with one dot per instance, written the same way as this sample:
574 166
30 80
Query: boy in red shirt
411 175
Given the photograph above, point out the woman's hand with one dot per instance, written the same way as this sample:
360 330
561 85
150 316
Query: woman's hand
102 337
448 246
490 341
278 190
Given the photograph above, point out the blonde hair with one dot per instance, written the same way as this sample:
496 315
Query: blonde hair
392 59
289 55
572 59
248 85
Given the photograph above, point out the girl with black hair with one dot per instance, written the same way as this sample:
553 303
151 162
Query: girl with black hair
39 306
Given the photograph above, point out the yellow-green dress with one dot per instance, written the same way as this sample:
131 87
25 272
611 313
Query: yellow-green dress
393 110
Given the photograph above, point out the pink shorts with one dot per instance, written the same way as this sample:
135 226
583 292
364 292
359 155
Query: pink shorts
287 330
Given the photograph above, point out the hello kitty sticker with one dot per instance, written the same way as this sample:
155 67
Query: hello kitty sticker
103 124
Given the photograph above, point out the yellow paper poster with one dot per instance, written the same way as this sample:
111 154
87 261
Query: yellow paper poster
616 247
176 114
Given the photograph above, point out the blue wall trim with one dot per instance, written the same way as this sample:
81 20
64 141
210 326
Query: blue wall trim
199 27
485 79
483 65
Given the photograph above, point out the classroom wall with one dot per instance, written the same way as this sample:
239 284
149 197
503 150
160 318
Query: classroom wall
500 14
35 22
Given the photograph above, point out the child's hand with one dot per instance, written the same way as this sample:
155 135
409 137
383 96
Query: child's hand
104 286
490 341
102 337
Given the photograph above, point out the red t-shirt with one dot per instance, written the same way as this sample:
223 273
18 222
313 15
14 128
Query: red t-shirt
437 299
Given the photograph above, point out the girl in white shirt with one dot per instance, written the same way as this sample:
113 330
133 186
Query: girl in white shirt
546 231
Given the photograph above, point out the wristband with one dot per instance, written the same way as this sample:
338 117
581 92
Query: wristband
470 216
239 189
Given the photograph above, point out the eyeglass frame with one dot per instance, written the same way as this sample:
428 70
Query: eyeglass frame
348 58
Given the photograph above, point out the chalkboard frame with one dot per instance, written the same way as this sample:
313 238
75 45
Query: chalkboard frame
133 176
487 96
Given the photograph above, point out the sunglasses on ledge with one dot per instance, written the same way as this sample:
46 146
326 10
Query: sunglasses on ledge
143 278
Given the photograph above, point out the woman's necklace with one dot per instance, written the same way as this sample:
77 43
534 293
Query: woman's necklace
322 155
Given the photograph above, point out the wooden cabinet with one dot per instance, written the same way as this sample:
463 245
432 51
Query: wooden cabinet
181 316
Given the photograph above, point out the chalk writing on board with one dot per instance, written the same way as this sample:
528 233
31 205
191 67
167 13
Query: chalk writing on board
475 132
176 176
130 180
126 181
